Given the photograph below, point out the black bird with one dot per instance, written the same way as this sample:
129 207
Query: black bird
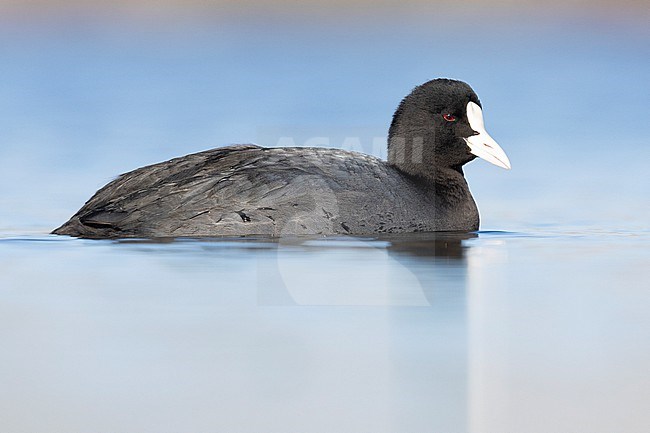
251 190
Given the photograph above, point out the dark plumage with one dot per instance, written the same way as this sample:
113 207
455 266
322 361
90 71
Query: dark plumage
251 190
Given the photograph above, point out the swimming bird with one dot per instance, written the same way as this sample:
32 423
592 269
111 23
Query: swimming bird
252 190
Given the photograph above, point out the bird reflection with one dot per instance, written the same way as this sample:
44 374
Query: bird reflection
414 269
445 244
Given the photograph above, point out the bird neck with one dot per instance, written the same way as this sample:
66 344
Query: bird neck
413 155
446 186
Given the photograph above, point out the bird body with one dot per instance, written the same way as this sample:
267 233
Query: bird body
252 190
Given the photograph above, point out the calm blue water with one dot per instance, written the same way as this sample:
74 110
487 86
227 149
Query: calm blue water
537 323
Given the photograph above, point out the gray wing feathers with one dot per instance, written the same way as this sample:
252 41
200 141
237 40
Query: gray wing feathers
233 191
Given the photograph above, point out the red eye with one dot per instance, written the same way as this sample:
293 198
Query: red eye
449 117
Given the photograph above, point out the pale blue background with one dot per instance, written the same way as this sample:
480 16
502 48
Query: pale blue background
540 326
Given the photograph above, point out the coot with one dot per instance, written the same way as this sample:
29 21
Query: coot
252 190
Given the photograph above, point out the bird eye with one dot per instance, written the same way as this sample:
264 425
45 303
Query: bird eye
449 117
